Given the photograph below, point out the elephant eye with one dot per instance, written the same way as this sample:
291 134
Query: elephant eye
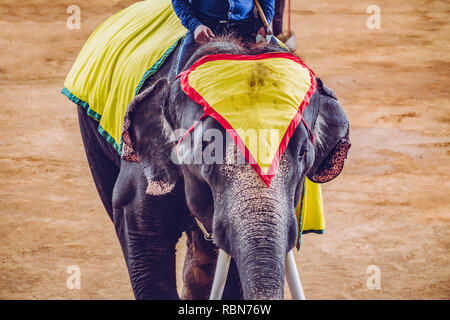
302 152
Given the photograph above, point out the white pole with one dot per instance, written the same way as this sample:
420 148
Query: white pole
293 279
220 277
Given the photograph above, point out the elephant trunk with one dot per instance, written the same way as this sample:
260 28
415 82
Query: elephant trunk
262 273
257 226
260 251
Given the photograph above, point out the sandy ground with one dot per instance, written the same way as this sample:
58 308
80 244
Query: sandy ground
390 207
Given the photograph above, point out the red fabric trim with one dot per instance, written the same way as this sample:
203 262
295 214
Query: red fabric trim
209 111
311 135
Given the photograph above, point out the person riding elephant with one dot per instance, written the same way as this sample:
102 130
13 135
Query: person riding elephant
207 19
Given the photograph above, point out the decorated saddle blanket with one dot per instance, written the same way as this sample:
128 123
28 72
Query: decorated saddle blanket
129 47
258 99
116 60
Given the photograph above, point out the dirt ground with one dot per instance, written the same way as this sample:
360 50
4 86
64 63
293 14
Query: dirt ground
389 208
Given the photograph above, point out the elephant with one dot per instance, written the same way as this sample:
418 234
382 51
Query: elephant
153 201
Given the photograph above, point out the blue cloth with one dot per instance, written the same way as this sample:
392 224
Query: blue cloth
191 12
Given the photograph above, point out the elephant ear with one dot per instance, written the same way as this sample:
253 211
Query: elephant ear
332 137
146 138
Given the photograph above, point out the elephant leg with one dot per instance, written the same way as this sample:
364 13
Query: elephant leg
199 268
103 160
148 228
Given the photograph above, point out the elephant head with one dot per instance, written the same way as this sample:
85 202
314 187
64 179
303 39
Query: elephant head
255 224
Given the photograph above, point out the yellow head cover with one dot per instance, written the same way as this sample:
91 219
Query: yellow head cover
258 99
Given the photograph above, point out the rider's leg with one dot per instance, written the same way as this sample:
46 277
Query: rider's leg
189 46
